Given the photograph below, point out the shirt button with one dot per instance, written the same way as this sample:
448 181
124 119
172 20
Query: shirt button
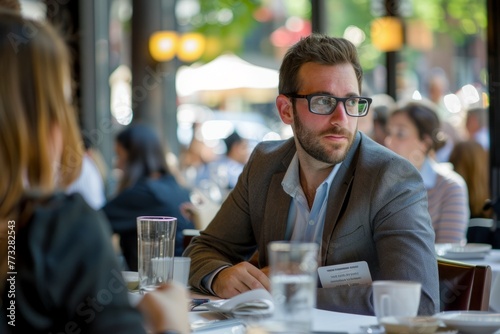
311 222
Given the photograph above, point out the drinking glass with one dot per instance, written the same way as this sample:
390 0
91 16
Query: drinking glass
293 277
156 247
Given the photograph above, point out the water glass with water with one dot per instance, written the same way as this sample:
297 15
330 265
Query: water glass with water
293 274
156 249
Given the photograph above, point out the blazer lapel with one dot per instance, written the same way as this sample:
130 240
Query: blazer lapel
277 206
337 195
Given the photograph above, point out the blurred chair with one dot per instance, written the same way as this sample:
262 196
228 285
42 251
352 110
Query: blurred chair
481 222
463 286
188 234
481 230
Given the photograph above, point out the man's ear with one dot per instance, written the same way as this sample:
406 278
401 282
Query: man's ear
285 109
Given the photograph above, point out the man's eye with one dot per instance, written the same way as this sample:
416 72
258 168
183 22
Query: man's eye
324 101
352 102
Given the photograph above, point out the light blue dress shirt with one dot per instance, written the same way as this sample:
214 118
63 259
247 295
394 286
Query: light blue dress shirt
303 224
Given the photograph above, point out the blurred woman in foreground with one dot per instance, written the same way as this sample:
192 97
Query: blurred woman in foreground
64 269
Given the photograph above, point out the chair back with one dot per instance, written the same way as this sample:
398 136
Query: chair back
463 286
188 235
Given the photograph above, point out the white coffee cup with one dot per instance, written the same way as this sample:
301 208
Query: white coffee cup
181 269
396 298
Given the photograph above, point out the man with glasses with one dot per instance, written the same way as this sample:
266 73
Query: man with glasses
329 184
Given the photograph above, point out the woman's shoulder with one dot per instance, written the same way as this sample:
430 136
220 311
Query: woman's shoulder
64 216
447 177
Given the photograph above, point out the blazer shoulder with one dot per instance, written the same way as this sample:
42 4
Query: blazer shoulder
275 146
375 156
277 150
374 152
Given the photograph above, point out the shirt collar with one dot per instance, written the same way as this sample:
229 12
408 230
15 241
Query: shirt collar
291 182
428 174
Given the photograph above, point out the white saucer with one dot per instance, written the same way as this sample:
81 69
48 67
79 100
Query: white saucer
471 322
469 251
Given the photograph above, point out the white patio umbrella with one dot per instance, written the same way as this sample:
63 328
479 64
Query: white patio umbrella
228 75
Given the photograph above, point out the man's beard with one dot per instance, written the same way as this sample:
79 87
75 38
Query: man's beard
310 142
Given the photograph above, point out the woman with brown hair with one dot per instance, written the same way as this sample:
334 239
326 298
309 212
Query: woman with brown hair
471 161
147 187
414 132
58 271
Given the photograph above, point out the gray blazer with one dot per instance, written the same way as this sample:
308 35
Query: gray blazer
378 214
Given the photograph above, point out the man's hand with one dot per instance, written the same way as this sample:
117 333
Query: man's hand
239 278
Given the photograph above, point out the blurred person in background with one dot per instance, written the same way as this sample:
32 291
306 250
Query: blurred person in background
448 136
413 132
382 107
195 159
146 187
66 274
329 184
476 124
225 171
471 161
236 157
90 182
437 88
374 123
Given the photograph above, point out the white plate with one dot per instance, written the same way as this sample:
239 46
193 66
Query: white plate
471 322
469 251
442 248
470 248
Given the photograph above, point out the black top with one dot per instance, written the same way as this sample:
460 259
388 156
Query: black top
68 279
148 197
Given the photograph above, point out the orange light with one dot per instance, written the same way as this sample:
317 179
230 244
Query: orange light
191 47
387 33
163 45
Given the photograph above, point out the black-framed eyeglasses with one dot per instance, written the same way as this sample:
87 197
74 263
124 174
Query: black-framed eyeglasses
324 104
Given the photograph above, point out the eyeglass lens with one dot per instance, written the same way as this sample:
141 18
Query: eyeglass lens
327 104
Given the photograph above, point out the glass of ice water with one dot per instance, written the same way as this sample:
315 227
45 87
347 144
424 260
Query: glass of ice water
293 276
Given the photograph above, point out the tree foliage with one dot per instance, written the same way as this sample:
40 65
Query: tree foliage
227 22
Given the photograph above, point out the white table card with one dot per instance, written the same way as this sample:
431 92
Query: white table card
349 274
